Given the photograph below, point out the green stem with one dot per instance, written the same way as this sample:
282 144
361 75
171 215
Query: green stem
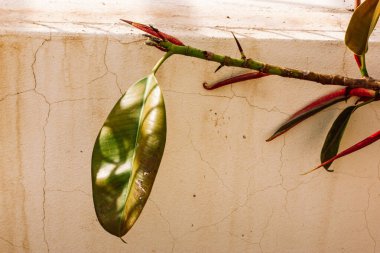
325 79
162 60
363 68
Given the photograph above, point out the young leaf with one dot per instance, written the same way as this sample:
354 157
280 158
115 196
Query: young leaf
127 154
320 104
334 136
309 110
361 25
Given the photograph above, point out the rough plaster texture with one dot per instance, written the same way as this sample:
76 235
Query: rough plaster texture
221 187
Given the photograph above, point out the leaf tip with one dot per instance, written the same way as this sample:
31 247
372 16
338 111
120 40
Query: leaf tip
310 171
127 21
207 86
275 135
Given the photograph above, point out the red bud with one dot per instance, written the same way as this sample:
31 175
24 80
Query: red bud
151 31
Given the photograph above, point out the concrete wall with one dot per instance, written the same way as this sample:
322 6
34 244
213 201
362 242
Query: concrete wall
220 187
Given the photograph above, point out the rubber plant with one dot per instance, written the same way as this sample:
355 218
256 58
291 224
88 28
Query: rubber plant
130 144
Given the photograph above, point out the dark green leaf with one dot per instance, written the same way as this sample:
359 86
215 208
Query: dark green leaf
127 154
334 136
361 25
361 144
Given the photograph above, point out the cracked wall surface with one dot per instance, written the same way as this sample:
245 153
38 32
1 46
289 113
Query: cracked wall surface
220 187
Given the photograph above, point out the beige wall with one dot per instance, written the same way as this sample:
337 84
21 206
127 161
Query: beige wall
220 187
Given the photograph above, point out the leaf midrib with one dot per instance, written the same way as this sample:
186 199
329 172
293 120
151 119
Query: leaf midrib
133 175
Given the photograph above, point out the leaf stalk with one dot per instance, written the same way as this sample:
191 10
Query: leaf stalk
162 60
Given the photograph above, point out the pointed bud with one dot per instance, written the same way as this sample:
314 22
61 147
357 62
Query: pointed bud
154 32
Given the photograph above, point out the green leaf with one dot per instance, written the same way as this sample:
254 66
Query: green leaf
361 144
127 154
334 136
361 25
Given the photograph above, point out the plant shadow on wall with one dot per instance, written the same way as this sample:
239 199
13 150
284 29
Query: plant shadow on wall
130 144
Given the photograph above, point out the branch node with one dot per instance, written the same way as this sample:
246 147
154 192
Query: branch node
154 43
377 95
227 61
265 69
208 55
347 93
152 38
246 62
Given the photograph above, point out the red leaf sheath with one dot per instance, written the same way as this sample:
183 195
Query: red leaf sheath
358 61
151 31
235 79
319 105
362 93
358 92
320 101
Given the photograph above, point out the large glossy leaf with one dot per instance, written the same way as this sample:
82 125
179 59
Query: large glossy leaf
127 154
334 136
361 25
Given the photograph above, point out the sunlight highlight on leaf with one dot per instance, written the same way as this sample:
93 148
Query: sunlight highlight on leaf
127 154
362 23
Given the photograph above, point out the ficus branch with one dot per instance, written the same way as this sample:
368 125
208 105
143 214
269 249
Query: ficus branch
248 63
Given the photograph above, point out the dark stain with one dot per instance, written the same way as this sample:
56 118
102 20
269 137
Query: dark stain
15 67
